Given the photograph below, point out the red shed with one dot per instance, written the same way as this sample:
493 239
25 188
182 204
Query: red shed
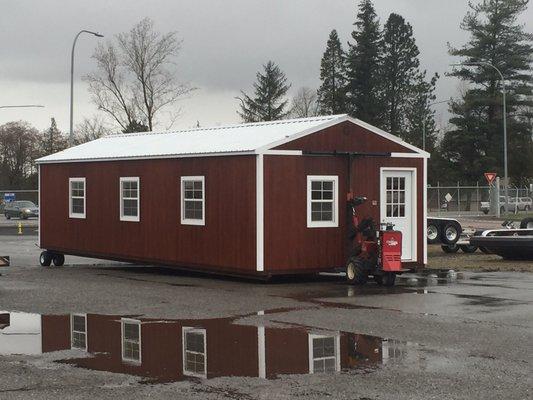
254 199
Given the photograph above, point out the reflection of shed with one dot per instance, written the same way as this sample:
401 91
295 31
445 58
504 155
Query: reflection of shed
253 199
174 349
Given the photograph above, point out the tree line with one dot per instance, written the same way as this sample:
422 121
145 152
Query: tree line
375 77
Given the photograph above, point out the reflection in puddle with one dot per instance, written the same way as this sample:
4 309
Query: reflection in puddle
172 350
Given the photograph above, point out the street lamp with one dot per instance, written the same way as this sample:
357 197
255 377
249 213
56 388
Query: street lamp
506 178
424 123
24 106
71 134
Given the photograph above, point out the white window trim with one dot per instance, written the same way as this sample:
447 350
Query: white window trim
313 336
70 213
189 221
335 210
72 331
184 331
129 217
130 321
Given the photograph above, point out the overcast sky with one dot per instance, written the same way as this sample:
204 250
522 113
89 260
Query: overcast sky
224 44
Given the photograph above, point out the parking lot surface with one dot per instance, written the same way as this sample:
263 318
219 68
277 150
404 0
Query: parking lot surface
431 336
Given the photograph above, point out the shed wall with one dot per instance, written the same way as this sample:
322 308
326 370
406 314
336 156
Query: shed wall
290 246
227 242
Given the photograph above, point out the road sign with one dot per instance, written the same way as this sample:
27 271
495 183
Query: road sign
9 197
490 176
448 197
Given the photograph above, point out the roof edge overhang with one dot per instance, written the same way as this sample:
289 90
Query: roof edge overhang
42 160
346 118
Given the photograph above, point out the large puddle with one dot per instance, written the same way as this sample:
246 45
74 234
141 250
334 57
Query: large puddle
172 350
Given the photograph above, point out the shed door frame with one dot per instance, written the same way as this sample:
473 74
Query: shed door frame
414 205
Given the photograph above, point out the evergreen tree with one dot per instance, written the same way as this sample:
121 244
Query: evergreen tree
362 66
53 140
268 102
332 92
419 117
399 74
495 38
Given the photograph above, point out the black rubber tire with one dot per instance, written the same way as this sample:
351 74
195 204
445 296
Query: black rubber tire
526 223
484 250
389 279
433 230
527 208
22 216
356 273
378 279
45 259
485 212
468 248
58 260
450 249
7 216
451 232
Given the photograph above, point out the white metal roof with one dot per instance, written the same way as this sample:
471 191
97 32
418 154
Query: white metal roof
235 139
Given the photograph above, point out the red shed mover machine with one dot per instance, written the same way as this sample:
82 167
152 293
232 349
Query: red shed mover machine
257 199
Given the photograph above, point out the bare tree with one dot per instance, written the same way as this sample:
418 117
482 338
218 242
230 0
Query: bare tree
91 129
134 80
304 103
18 148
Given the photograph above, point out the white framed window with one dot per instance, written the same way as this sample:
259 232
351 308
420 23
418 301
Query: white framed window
395 192
193 200
131 340
194 352
322 201
76 187
324 353
78 331
130 200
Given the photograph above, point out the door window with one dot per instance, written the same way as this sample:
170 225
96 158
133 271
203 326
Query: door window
395 196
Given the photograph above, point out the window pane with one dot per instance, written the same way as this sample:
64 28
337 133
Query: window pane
78 323
77 206
329 365
402 211
189 185
189 194
327 206
197 185
316 185
327 185
328 195
316 195
318 366
195 342
78 340
402 183
389 211
131 331
198 194
130 208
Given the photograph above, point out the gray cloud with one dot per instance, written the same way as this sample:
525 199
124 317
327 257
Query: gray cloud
225 42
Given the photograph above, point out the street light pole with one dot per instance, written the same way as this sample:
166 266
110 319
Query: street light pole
71 134
504 92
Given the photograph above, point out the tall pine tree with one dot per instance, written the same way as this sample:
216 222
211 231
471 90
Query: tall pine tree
399 73
496 38
332 91
268 102
363 59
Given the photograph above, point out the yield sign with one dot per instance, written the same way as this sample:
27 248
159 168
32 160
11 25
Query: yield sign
490 176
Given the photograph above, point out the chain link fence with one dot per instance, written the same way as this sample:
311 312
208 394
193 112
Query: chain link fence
476 200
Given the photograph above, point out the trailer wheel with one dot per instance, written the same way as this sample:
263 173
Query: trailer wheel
449 248
389 278
7 216
433 235
378 279
451 233
468 248
356 272
526 223
45 259
485 212
58 260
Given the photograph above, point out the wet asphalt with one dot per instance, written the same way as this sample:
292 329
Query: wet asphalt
465 338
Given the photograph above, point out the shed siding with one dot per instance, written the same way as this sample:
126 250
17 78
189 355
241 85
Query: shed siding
345 137
289 244
227 241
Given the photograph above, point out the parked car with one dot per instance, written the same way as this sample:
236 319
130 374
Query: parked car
522 204
21 209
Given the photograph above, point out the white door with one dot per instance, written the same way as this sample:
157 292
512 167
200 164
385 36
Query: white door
398 206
